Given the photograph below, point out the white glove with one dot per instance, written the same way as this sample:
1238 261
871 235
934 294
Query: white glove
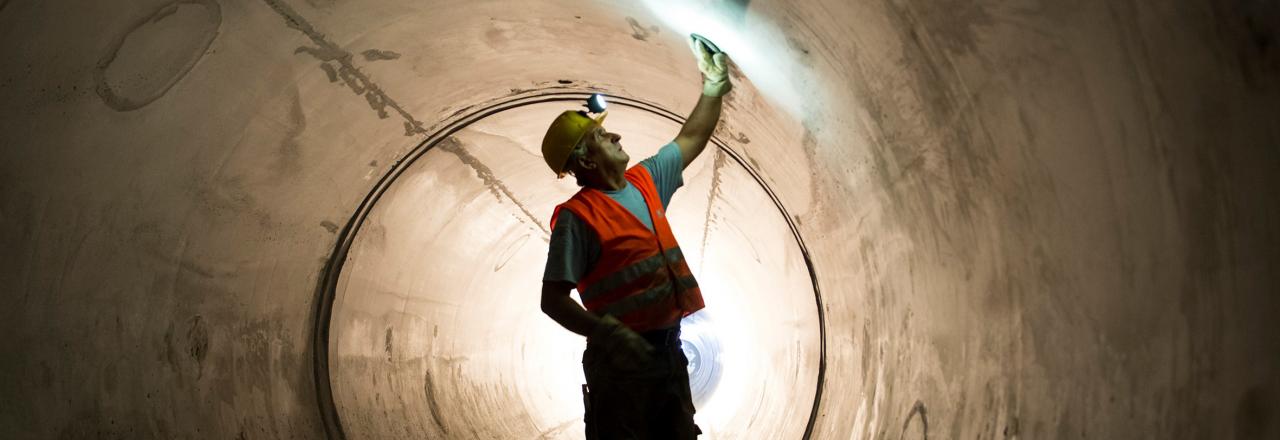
714 67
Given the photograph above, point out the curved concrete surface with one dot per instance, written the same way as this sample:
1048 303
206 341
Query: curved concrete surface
429 294
1025 220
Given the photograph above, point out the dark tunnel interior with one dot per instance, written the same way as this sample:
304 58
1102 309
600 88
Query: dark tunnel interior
946 219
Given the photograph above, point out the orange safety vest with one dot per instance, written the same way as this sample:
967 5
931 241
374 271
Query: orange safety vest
633 280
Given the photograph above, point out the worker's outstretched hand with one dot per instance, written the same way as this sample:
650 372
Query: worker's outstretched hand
622 346
714 65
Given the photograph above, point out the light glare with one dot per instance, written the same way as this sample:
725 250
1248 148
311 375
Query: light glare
758 48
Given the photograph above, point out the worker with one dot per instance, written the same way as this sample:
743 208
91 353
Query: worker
612 242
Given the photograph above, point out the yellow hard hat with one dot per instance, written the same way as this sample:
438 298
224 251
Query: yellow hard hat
563 135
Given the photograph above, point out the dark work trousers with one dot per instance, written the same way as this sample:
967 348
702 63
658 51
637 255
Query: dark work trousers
640 402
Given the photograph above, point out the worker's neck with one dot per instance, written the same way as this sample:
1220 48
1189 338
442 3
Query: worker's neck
606 181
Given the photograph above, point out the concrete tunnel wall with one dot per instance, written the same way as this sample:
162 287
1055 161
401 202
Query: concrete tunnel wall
1025 220
469 336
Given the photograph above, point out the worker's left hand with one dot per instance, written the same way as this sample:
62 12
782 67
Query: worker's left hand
623 347
714 66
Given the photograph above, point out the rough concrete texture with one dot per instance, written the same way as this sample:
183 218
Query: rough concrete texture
1025 219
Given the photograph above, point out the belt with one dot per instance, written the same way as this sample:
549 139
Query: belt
662 338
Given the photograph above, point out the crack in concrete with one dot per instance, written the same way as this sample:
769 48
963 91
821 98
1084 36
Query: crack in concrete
330 53
360 83
496 186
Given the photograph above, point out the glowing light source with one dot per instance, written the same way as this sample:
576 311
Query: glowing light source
701 345
757 47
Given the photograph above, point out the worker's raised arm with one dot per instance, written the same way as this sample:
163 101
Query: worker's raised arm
698 128
702 120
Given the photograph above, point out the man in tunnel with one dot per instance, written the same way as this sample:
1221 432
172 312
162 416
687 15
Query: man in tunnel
612 242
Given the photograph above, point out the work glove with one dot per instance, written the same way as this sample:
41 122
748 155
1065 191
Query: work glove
622 347
714 65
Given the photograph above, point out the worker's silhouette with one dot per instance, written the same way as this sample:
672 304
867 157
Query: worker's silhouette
612 242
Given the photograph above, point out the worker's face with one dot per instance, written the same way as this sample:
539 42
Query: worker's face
605 148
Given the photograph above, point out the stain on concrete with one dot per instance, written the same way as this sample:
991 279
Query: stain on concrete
329 226
938 152
510 251
187 346
797 45
198 343
260 348
154 53
718 162
379 55
495 185
387 341
501 34
375 235
228 196
433 404
917 410
288 158
640 32
955 25
330 72
1011 429
341 68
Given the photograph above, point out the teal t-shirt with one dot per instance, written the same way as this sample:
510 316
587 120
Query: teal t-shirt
574 247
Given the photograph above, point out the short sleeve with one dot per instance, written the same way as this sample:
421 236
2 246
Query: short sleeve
667 168
574 249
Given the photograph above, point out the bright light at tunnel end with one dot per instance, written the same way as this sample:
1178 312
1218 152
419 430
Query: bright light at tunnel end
701 344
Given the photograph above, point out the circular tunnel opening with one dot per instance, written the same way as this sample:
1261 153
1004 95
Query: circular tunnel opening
430 319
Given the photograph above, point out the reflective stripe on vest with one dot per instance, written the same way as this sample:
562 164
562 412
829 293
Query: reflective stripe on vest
631 273
641 277
647 297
